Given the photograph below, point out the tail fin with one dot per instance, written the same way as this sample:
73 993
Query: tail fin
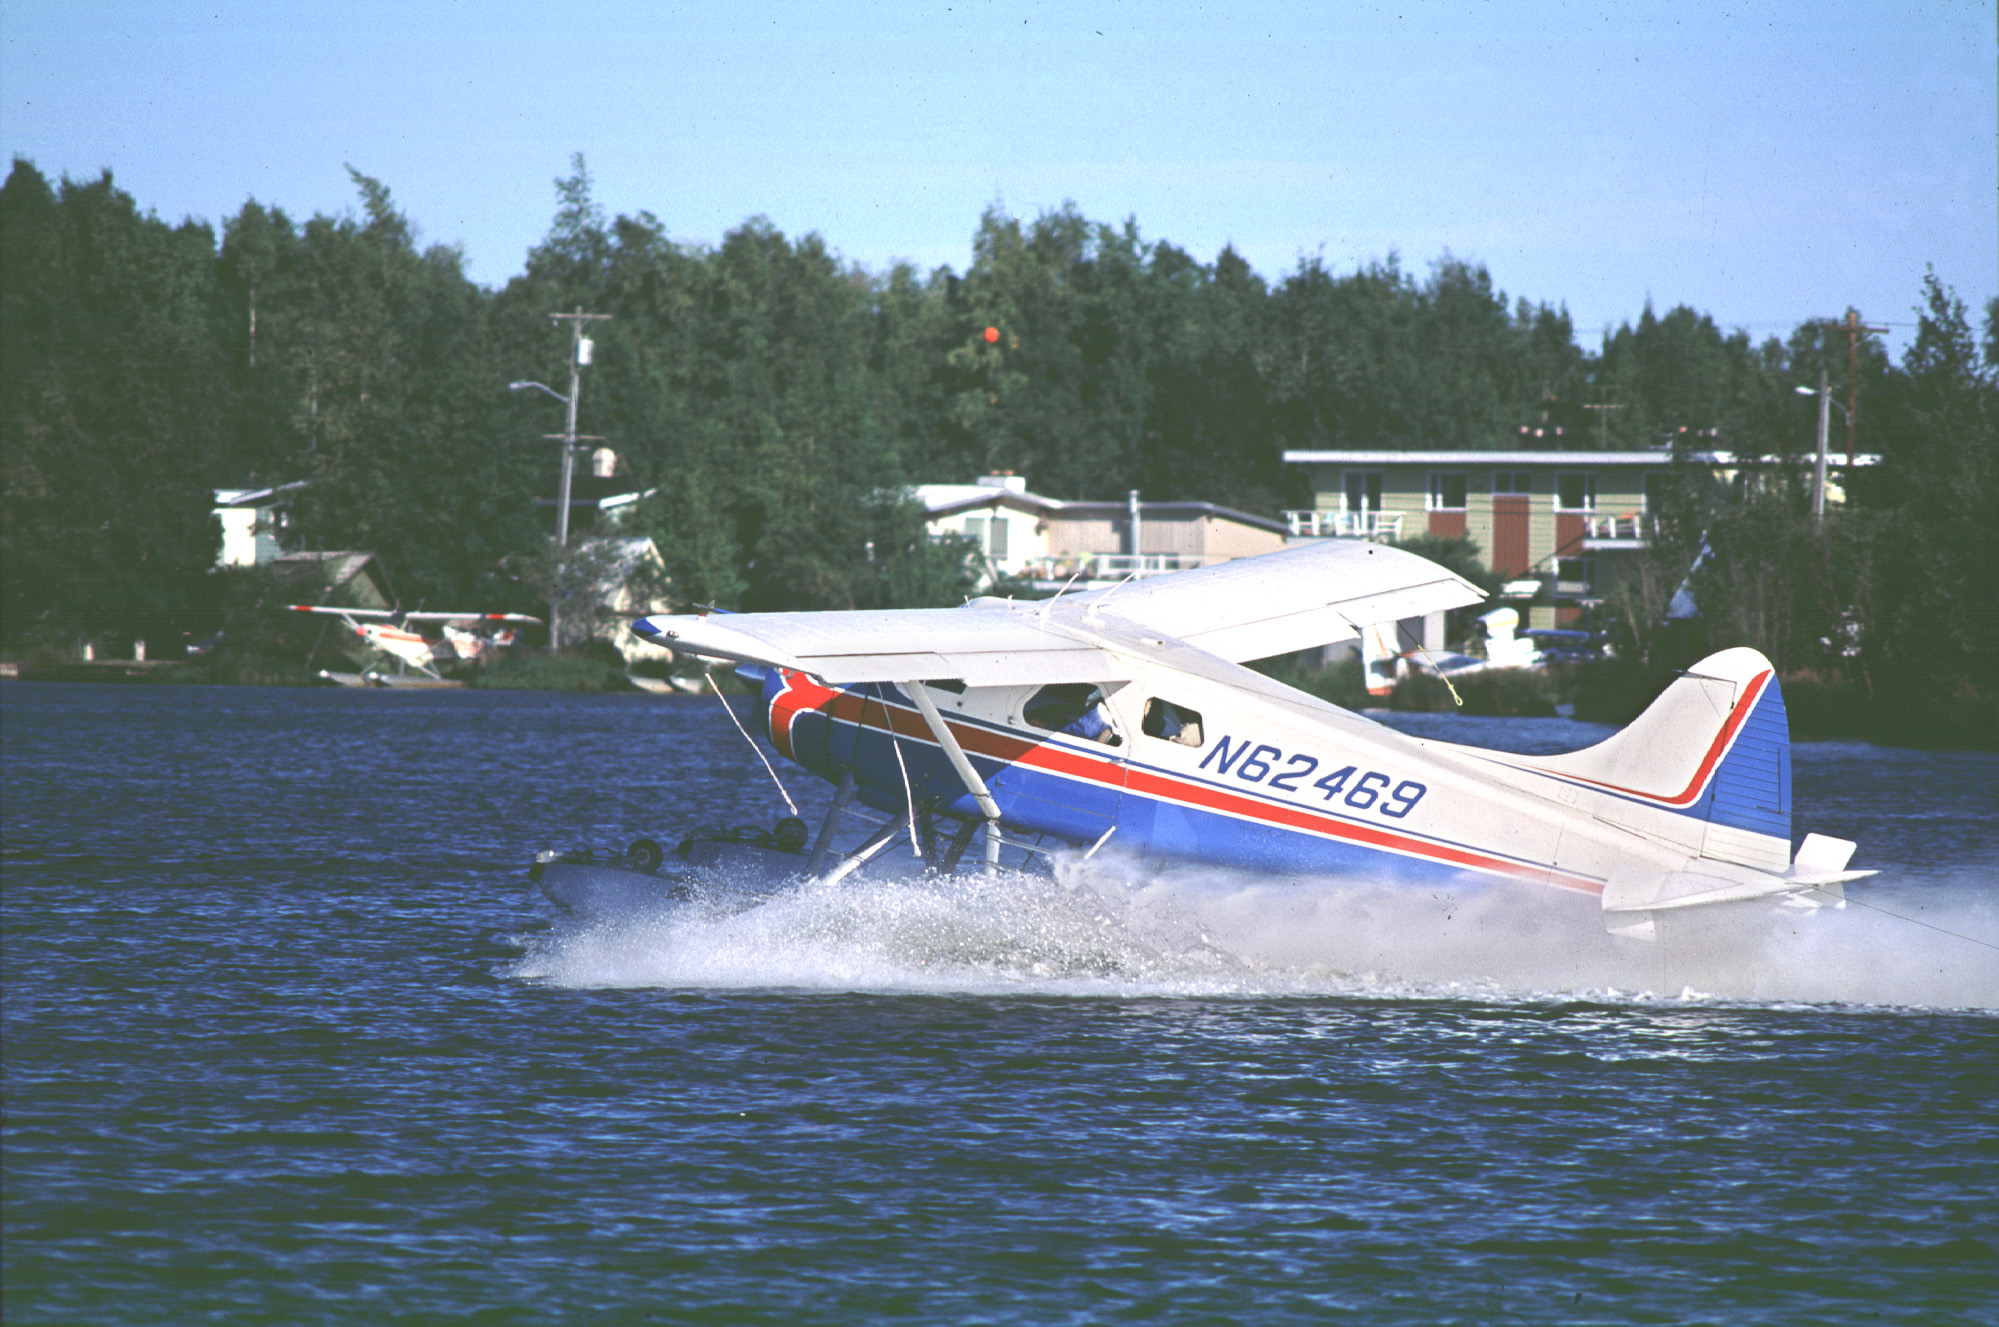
1714 749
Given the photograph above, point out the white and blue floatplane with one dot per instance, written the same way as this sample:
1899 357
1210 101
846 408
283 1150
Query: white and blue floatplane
1124 720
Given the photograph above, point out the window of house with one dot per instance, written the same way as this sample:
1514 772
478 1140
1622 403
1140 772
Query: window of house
1575 492
1447 491
1363 490
996 536
1656 485
975 530
1511 481
1171 723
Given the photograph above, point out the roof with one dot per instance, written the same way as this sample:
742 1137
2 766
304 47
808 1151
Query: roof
255 497
945 499
1454 456
1146 509
323 574
1457 456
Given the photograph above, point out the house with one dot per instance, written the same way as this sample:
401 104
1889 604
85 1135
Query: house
252 519
1549 521
1006 524
631 582
1051 542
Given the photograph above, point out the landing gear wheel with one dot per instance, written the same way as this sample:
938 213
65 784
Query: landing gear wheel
789 835
645 854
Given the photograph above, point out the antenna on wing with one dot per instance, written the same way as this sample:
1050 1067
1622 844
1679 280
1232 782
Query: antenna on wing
1092 615
1058 594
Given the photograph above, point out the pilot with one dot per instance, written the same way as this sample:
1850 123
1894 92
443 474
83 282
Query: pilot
1094 723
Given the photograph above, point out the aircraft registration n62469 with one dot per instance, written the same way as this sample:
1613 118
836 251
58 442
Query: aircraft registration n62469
1127 715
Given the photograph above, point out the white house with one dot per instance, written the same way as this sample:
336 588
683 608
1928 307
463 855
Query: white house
251 519
1052 542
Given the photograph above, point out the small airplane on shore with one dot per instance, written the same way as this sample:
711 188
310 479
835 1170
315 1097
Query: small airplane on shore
1125 718
467 636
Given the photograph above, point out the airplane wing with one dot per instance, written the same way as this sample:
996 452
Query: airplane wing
1247 609
1275 603
471 617
986 643
371 614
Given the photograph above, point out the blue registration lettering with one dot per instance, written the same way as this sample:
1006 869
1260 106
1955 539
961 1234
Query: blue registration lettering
1367 790
1254 766
1226 756
1301 768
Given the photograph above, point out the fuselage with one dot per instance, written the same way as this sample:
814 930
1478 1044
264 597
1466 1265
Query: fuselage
1171 765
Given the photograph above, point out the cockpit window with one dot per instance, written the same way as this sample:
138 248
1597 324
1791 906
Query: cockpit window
1076 708
1171 723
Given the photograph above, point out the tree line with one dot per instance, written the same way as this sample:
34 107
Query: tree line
771 392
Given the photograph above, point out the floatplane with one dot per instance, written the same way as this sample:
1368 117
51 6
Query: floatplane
1124 719
391 634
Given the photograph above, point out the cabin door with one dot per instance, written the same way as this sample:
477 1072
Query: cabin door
1070 781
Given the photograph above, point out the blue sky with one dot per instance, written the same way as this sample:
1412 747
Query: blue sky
1762 162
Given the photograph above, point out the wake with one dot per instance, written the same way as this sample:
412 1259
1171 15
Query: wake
1105 928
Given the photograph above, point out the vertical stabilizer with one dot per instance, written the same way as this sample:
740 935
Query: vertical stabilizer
1714 749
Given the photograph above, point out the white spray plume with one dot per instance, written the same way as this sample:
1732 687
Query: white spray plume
1105 927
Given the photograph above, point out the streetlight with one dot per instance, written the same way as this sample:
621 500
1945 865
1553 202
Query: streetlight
580 348
1824 394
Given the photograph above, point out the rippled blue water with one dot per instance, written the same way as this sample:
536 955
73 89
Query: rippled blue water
288 1039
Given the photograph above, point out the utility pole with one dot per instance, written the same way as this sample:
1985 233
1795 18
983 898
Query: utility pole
1825 423
1853 327
1603 424
580 347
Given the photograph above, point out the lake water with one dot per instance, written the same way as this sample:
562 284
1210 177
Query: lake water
288 1038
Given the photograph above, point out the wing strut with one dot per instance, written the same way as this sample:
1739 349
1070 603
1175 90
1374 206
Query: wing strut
974 785
824 846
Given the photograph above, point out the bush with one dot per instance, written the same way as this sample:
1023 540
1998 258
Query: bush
570 670
1340 684
1617 691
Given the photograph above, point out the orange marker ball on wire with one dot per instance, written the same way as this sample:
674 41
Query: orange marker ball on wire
992 335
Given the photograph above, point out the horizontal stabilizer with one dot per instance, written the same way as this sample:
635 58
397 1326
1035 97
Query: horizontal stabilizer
1634 893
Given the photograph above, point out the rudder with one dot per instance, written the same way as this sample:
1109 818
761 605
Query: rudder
1715 747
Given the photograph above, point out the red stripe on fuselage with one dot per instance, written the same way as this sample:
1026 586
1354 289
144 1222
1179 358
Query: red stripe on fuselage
870 712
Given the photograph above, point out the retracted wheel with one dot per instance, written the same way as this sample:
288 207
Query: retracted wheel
646 854
789 835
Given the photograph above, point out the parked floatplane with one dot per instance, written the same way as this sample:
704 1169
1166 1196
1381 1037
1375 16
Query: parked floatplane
1123 720
390 634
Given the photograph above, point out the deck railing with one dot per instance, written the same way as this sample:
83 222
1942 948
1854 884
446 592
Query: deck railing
1112 566
1629 525
1375 525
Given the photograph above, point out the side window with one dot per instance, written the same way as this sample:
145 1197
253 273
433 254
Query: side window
1447 491
996 540
1575 492
1076 708
1656 487
1171 723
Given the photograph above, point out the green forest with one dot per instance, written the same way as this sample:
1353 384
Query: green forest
774 394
